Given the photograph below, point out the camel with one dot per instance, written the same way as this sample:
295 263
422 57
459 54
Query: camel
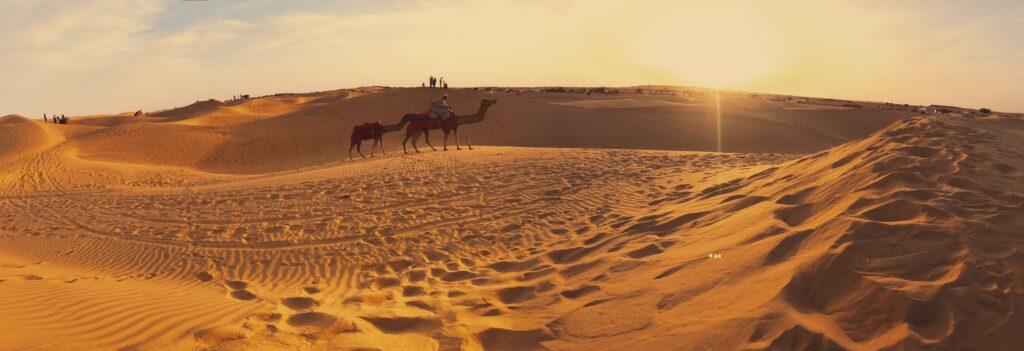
375 131
422 123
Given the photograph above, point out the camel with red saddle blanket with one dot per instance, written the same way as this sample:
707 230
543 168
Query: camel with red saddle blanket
422 123
375 131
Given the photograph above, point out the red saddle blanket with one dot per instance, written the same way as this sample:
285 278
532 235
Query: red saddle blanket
423 120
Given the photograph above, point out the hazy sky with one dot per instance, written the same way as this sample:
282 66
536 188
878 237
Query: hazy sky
97 56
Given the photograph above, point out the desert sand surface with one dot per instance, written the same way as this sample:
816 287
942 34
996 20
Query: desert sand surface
241 225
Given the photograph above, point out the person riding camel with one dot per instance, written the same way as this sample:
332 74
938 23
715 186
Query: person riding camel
440 110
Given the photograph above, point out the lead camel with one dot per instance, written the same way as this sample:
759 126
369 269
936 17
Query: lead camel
421 123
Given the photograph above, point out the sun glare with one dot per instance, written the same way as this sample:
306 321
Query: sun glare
714 46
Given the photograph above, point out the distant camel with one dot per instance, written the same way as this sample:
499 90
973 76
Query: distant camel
375 131
422 123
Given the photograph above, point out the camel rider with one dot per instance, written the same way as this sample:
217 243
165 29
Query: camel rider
439 109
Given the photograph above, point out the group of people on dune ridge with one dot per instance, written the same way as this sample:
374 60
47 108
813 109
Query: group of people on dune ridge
62 119
435 83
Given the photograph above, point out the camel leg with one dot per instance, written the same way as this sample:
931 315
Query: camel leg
373 147
382 152
359 149
415 137
350 147
403 143
445 141
456 131
426 137
468 144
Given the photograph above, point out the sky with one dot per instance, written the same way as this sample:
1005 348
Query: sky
82 57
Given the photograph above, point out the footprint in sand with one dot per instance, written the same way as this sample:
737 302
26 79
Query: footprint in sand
219 335
403 324
312 320
204 276
243 295
412 290
580 292
299 303
239 292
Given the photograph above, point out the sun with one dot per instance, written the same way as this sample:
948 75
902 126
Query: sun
713 46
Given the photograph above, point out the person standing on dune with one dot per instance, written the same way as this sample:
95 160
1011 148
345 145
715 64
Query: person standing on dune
440 110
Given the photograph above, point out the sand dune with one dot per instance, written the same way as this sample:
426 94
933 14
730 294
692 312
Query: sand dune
286 132
20 137
237 225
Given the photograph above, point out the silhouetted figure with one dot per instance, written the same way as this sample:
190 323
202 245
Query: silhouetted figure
445 85
44 118
440 82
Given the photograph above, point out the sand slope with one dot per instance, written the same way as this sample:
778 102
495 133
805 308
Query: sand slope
292 131
20 137
157 234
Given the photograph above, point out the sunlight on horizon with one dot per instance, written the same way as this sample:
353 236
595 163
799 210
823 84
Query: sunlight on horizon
718 119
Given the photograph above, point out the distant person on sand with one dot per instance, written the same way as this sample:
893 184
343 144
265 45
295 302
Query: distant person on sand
44 118
439 109
445 85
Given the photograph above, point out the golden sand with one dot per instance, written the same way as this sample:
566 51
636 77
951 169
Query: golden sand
238 225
